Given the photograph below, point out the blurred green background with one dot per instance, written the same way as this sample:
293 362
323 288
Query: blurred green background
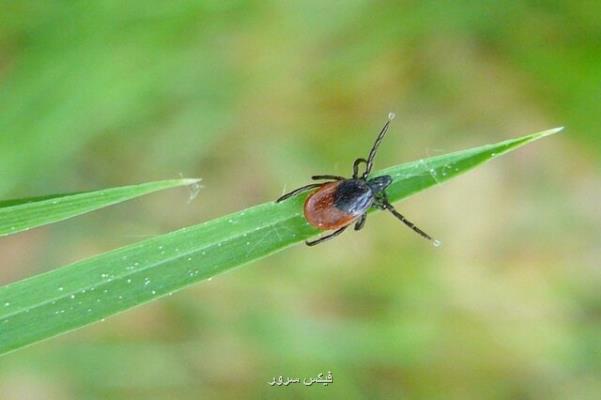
256 96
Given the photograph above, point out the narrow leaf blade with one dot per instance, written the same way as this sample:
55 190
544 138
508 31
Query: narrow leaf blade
23 214
76 295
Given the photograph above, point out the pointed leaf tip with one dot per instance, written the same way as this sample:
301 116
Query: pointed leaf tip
191 181
549 132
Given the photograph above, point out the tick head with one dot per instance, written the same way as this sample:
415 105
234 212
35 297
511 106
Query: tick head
379 183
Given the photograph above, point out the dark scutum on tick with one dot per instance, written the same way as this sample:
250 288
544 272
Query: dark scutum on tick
336 204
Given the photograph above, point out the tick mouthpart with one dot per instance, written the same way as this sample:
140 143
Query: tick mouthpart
379 183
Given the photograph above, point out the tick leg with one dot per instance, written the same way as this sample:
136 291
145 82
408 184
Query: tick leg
385 205
374 149
333 177
356 166
299 190
359 225
326 237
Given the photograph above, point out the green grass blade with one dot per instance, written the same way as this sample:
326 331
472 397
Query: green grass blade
87 291
22 214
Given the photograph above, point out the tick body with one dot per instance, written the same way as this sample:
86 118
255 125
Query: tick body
336 204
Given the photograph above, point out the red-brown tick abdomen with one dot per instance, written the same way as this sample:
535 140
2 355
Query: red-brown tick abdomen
321 212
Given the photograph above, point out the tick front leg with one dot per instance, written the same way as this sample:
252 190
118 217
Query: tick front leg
299 190
326 237
356 164
361 223
384 204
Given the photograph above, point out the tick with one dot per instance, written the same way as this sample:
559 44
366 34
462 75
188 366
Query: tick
336 204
